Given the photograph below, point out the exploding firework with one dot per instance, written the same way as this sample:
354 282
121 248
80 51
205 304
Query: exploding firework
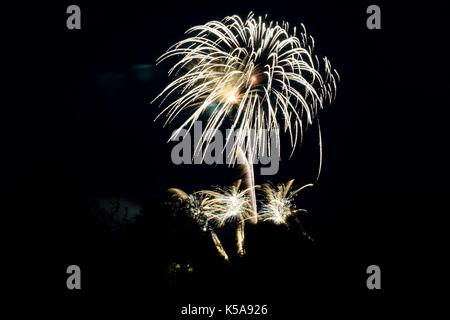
227 204
216 208
195 206
256 74
279 204
230 204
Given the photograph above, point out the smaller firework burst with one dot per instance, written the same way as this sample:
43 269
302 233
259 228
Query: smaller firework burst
279 204
195 206
230 205
227 204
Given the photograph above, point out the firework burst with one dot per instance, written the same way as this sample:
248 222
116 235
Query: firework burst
216 208
279 204
230 204
196 207
257 74
227 204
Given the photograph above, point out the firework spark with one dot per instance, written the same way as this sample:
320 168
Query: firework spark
193 205
196 208
216 208
279 204
227 204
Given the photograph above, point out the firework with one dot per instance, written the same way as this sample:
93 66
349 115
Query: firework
257 74
216 208
193 206
221 206
279 203
227 205
196 208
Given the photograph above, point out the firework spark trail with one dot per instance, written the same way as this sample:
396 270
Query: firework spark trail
197 209
248 176
218 245
256 73
240 238
216 208
279 202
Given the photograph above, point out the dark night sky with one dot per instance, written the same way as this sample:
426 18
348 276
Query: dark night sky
82 128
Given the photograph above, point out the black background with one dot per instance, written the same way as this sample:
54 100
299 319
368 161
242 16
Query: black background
80 126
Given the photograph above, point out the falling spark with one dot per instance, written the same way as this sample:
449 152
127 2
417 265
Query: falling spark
240 238
258 74
196 208
218 245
